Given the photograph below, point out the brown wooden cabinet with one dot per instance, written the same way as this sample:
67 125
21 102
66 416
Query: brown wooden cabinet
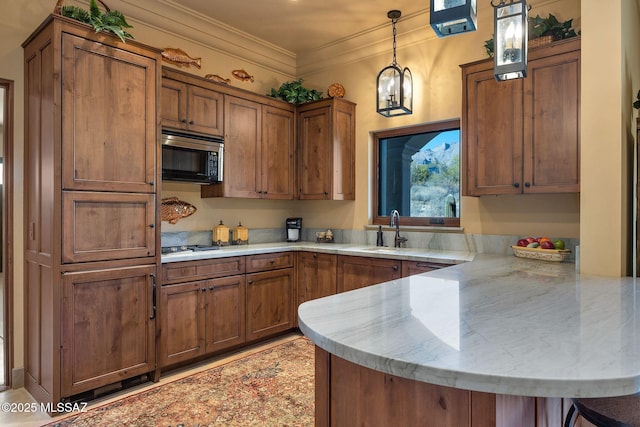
356 272
189 107
270 294
317 274
201 317
90 192
523 136
202 308
259 152
326 150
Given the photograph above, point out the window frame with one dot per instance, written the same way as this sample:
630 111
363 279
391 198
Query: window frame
377 219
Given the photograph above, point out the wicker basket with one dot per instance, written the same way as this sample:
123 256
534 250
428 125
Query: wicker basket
541 254
541 41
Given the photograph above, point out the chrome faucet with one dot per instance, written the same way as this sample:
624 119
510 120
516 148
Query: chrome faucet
395 222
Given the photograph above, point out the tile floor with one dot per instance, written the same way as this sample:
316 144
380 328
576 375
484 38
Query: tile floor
20 397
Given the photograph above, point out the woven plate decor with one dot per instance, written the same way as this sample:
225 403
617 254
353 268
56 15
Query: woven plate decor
336 90
541 41
542 254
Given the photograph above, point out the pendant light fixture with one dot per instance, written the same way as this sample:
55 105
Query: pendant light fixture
450 17
395 85
510 39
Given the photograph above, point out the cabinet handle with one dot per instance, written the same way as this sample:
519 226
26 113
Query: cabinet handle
326 193
153 298
151 183
184 120
249 282
203 289
395 268
526 184
211 288
516 184
191 122
315 255
152 225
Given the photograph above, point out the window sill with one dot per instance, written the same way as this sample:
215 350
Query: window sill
419 228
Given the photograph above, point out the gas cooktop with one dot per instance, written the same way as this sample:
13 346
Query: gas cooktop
187 248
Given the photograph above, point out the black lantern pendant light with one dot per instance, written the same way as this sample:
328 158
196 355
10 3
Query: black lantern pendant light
450 17
510 39
395 85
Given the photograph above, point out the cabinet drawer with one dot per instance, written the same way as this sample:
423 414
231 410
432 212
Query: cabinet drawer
409 268
177 272
266 262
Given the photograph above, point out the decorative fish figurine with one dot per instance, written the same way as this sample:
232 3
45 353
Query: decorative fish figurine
242 75
173 210
180 58
217 78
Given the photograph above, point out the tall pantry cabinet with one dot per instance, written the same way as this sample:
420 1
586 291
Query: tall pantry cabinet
91 175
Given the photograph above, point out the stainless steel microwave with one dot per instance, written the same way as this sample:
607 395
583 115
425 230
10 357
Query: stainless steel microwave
192 158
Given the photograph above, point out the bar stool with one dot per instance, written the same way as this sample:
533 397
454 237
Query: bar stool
623 411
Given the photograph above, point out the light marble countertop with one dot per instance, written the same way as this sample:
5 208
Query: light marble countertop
411 254
497 324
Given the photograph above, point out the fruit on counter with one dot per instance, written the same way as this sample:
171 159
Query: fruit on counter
543 239
547 244
530 239
533 245
558 244
523 242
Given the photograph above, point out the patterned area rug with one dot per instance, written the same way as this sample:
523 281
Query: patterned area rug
273 387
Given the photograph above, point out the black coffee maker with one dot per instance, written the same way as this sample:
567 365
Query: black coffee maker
294 229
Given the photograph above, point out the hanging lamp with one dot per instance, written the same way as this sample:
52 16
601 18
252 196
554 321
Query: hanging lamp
451 17
510 39
395 85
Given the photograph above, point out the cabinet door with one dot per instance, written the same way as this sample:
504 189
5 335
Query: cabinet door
242 154
109 118
173 104
277 166
108 327
205 111
552 125
269 302
105 226
315 159
492 135
182 335
358 272
225 314
344 137
316 275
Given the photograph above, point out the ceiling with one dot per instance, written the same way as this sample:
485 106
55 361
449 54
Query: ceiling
303 25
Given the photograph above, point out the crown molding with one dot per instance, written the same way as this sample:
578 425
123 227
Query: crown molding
168 17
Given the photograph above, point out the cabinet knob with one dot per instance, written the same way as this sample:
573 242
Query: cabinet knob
152 225
184 120
395 268
527 184
516 184
203 289
211 288
191 122
151 183
249 282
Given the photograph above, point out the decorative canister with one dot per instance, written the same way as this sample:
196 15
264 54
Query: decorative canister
221 234
240 235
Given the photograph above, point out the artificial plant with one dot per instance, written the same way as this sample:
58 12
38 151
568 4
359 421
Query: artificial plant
110 21
294 93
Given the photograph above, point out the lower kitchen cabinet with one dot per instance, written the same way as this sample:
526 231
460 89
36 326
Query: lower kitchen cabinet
409 268
201 317
316 275
356 272
270 308
108 327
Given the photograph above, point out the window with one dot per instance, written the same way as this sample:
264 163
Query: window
417 172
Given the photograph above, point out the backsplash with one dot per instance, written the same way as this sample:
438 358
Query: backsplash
480 243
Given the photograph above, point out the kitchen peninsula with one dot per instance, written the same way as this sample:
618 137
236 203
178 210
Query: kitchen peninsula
466 345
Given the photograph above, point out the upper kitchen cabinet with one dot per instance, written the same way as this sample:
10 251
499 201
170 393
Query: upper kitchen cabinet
259 151
91 149
523 136
108 117
190 107
326 150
